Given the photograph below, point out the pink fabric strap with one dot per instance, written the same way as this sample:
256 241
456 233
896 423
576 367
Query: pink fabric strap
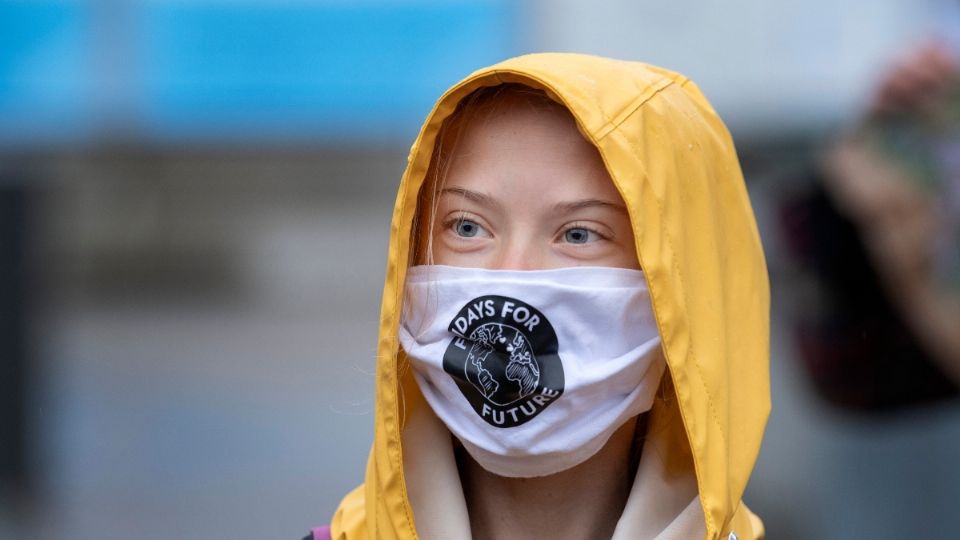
321 533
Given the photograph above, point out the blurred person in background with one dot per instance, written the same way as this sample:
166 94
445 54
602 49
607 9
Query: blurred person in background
880 234
574 334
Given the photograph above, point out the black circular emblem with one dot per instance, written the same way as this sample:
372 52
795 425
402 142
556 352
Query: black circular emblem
504 359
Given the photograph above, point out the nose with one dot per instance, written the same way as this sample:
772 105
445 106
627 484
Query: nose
520 255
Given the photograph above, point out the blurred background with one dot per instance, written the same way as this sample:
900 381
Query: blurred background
194 208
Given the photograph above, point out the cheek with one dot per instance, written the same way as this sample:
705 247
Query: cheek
441 253
451 251
626 255
610 255
449 257
626 246
628 259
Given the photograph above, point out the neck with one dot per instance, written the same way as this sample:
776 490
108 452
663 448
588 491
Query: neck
585 501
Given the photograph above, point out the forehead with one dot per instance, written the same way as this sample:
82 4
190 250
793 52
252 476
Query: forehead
516 140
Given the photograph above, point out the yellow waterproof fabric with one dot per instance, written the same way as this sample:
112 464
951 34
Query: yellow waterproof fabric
674 163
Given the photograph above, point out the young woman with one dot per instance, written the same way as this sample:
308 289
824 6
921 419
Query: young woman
574 330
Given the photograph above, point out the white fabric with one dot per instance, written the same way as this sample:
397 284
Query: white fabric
532 370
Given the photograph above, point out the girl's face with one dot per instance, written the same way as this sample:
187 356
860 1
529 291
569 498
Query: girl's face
524 190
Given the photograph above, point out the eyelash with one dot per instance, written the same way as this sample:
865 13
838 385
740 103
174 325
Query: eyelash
578 225
451 222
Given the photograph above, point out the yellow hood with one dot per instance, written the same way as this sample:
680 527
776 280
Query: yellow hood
674 163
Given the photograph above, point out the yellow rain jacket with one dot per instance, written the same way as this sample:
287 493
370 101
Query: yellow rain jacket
674 164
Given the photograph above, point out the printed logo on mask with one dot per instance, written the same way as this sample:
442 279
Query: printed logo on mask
504 359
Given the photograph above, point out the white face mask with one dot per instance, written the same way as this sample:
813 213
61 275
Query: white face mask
532 370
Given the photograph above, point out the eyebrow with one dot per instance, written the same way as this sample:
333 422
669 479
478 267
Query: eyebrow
572 206
473 196
562 207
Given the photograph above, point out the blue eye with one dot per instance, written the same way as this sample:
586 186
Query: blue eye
466 228
579 235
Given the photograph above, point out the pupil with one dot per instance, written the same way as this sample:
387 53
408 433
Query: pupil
577 236
467 228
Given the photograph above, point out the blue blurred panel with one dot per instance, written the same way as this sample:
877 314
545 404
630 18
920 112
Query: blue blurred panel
335 70
45 69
